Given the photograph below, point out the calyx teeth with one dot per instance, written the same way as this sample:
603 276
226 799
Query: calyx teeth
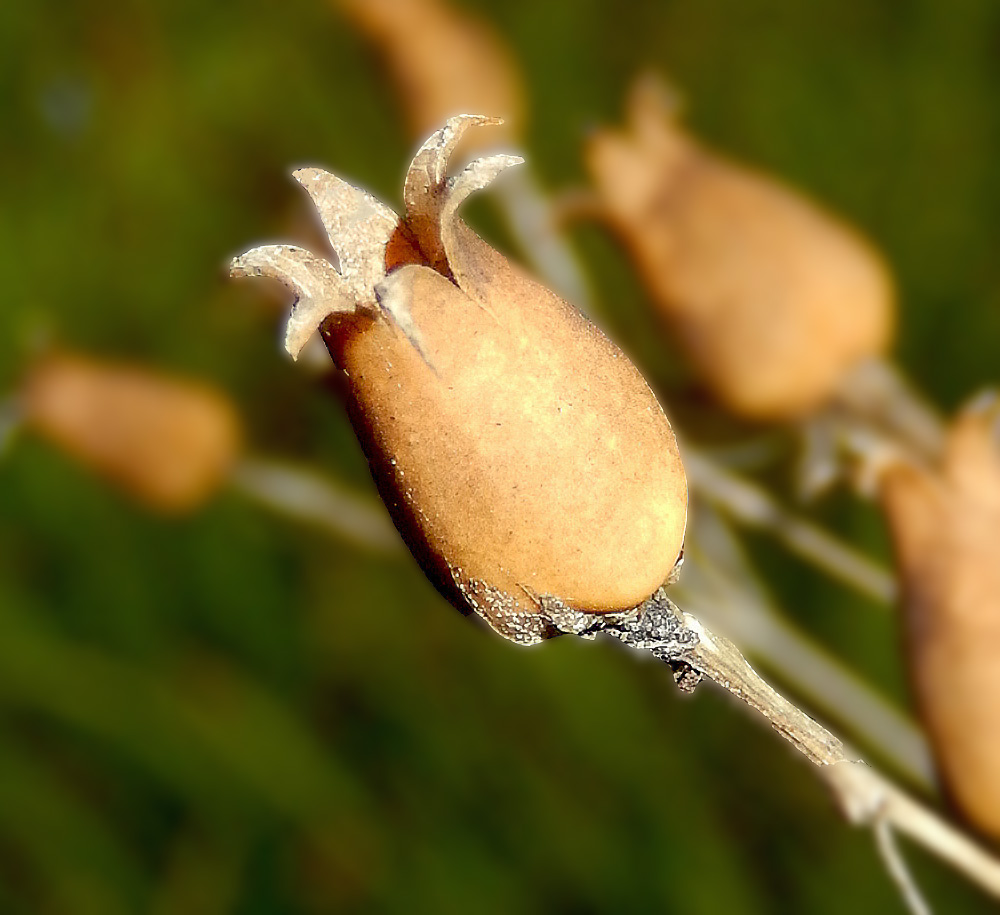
318 287
360 227
474 177
425 190
429 168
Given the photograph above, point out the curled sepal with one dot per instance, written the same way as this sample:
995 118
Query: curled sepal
424 187
320 291
359 228
463 261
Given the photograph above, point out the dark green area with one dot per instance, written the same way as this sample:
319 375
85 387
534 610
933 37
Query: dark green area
230 713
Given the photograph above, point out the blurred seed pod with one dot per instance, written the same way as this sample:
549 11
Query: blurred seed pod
772 299
168 442
945 527
443 61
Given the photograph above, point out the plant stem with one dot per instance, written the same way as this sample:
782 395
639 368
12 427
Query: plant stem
308 497
865 796
877 395
11 420
885 842
721 587
758 509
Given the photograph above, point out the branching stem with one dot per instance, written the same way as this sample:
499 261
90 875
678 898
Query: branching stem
885 841
865 796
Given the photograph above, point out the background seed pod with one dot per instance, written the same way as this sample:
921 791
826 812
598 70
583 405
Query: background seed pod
945 528
772 300
169 442
444 61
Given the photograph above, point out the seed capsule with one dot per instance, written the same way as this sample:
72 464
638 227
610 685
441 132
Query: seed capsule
772 300
167 441
944 527
442 60
522 456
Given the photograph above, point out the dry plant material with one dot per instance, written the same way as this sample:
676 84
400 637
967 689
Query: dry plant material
945 526
522 456
525 460
168 442
443 61
772 300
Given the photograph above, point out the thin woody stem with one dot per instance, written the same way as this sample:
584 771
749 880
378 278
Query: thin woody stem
926 828
721 588
721 661
865 796
754 507
885 842
825 683
11 420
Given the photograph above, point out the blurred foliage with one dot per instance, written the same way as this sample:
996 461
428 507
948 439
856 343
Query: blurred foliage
230 714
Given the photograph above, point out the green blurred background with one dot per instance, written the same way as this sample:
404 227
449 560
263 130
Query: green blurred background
235 714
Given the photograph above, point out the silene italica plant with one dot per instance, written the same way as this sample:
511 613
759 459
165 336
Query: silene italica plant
526 462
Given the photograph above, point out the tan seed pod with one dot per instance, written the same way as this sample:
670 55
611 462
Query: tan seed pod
167 441
772 299
522 456
442 60
945 527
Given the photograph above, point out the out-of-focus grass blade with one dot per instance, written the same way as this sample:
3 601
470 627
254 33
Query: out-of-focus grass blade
77 862
205 732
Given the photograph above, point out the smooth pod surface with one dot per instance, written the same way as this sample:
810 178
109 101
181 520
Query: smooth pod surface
168 441
522 455
772 299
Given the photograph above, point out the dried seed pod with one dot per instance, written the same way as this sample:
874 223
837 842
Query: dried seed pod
945 528
772 300
522 456
167 441
442 60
